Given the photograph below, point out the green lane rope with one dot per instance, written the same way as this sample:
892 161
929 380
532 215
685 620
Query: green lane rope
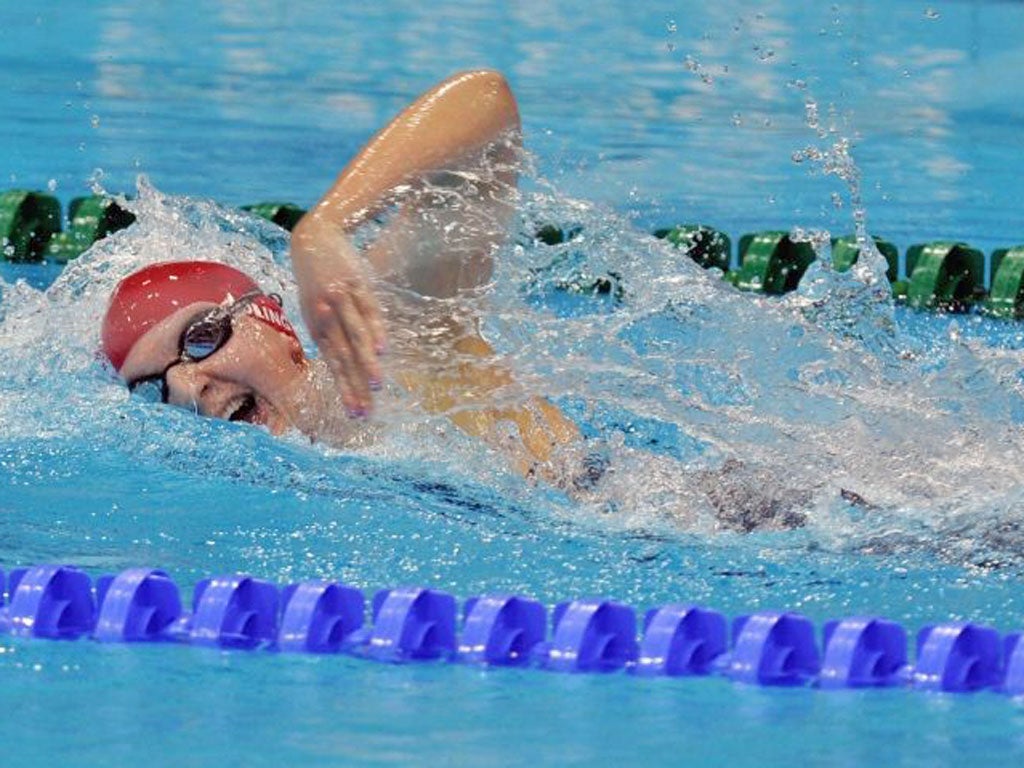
940 275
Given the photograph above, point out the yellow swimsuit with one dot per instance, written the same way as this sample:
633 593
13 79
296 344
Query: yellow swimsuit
461 392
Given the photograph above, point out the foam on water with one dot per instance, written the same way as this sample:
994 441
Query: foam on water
715 409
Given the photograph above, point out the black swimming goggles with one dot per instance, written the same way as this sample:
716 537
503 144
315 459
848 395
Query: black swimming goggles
205 333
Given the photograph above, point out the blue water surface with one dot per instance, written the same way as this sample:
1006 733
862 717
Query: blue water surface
642 115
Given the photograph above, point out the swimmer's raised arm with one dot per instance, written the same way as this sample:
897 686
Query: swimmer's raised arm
452 127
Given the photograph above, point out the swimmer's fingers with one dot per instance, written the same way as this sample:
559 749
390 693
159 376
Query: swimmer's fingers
359 316
340 352
368 305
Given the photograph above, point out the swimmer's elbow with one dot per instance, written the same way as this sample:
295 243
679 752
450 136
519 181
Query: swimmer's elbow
489 88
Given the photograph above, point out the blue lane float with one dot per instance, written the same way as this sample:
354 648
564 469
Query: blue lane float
503 630
958 658
1013 681
411 624
773 649
864 652
681 640
320 617
137 605
591 636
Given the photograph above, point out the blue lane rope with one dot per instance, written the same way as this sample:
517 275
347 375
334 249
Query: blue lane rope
415 624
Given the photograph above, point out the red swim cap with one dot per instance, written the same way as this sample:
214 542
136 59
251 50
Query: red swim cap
146 297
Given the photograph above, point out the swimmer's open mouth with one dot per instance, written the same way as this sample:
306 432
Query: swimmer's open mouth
246 410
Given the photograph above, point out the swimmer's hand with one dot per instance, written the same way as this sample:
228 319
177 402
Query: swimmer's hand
340 308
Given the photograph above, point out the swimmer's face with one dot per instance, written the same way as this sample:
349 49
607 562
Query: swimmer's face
256 376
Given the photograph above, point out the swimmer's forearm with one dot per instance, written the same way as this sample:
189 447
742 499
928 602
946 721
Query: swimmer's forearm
453 120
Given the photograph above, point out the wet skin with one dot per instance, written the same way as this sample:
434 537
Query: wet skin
260 376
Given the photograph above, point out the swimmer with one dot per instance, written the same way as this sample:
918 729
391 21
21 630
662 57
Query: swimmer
441 176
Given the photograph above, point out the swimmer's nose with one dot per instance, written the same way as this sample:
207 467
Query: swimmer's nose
188 386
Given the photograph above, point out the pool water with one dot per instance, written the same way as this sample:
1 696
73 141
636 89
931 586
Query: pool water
636 118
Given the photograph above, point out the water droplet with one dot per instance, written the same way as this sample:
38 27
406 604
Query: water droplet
931 13
52 185
94 121
96 181
671 27
837 200
737 118
798 156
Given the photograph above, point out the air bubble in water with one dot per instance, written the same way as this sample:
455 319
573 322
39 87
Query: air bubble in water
52 185
94 121
931 13
671 27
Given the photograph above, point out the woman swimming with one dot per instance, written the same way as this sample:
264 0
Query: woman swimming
442 178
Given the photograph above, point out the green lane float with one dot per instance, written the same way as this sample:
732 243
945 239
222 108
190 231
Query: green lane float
1006 297
846 251
944 275
285 215
609 284
771 263
706 246
27 222
91 219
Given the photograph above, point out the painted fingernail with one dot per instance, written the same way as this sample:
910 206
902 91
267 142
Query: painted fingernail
356 413
375 385
381 349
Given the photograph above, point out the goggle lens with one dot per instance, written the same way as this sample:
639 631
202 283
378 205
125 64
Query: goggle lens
205 335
